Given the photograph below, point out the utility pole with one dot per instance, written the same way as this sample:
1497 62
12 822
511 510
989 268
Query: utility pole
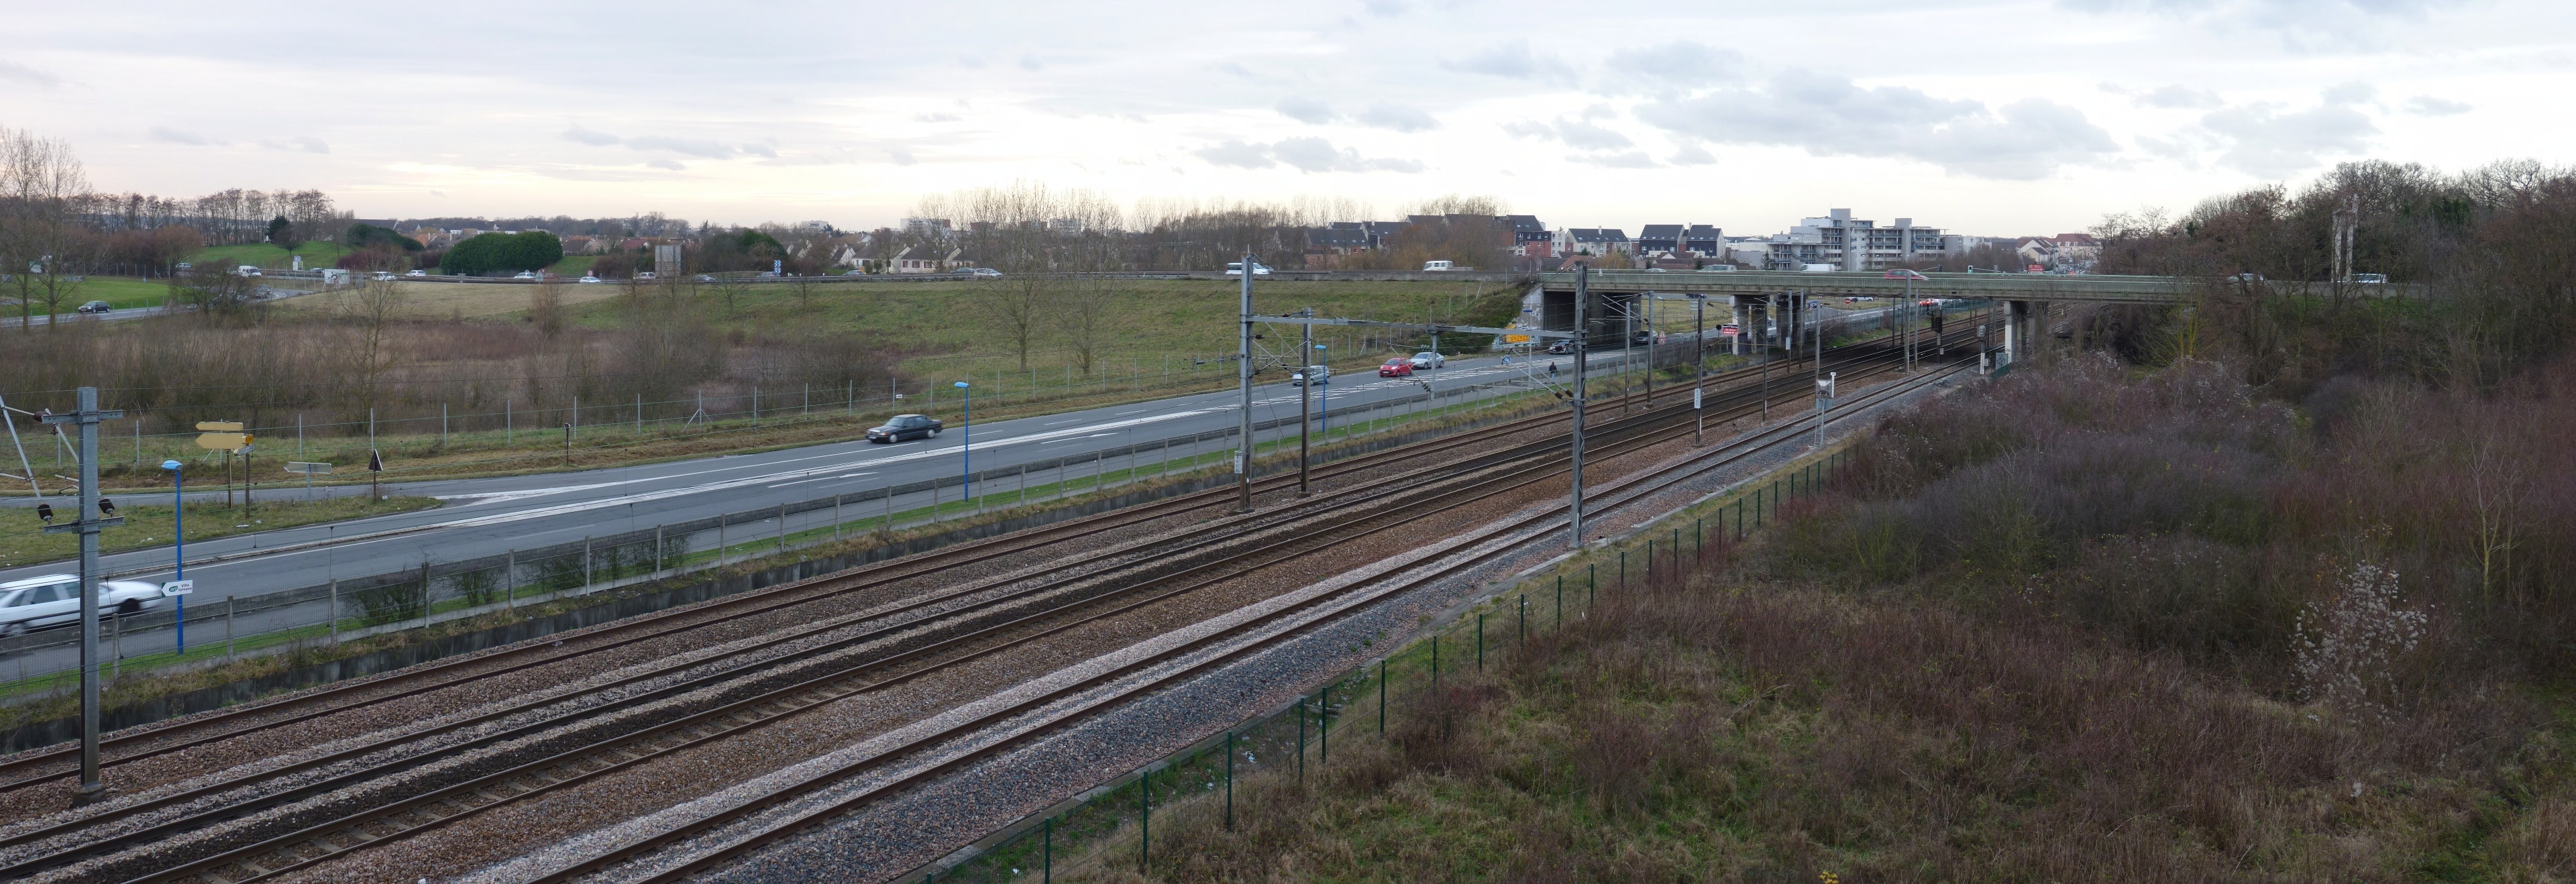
1243 372
1305 395
1699 366
94 516
1574 502
1770 322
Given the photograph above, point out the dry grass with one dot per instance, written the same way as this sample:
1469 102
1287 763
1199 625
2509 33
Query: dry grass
2082 644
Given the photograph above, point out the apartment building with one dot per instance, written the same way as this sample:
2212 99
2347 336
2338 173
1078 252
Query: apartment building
1849 243
1593 241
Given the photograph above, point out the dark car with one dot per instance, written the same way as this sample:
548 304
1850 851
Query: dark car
1561 346
95 307
905 426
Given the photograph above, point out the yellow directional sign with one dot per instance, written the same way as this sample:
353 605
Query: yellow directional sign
223 441
219 426
1516 339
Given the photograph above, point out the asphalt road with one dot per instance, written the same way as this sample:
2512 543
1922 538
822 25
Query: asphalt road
489 516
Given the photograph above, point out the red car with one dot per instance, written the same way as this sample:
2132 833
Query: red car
1395 368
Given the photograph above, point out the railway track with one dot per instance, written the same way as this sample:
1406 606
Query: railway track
58 763
973 620
1050 706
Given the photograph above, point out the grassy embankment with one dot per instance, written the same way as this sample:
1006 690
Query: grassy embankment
148 524
317 255
2082 627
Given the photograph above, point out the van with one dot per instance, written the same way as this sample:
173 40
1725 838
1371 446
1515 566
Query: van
1817 268
1718 268
1437 266
2370 278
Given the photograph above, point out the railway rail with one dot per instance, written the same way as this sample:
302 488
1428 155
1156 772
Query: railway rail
967 621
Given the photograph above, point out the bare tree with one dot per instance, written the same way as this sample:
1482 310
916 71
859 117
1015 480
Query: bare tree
369 312
42 189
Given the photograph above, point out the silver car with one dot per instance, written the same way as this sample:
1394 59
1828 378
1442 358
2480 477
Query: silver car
54 600
1427 360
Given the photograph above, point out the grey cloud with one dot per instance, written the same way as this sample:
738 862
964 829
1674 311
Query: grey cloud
1680 63
1829 116
673 165
760 150
1304 154
2429 106
2179 96
695 147
1514 60
899 156
1575 133
14 72
175 136
585 136
1397 117
1305 110
2265 141
1692 155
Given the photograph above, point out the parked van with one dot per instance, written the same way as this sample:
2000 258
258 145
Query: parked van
1818 268
1436 266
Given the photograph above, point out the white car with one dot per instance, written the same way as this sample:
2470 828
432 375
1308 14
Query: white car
54 600
1718 268
1428 359
416 273
1236 269
523 274
589 278
382 276
1318 373
644 275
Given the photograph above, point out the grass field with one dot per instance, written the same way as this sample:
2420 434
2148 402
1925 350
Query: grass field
317 255
148 525
1145 324
121 292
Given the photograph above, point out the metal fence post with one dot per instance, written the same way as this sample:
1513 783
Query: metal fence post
1046 840
510 580
1381 696
585 563
1324 724
1144 819
1435 661
1301 739
1480 641
424 593
228 629
1229 780
782 526
334 615
1560 600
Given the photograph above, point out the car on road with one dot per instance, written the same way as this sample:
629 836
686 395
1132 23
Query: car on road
1902 273
706 278
589 278
1718 268
1236 269
1395 368
523 274
95 307
1429 359
416 273
905 426
1318 373
646 274
2370 278
1561 346
978 271
246 271
54 600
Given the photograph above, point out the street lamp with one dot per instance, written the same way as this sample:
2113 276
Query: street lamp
179 546
966 451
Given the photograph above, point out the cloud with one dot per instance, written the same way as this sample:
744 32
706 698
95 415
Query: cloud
936 118
899 156
1305 110
1384 8
2302 24
1630 160
2265 141
1828 115
175 136
585 136
2429 106
13 72
1679 64
760 150
695 147
1574 133
673 165
1307 154
1692 155
2179 96
305 143
2351 93
1514 60
1029 61
1398 117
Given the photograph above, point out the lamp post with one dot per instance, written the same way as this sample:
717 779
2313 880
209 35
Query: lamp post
179 545
966 450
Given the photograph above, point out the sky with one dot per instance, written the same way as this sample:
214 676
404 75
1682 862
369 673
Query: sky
1993 118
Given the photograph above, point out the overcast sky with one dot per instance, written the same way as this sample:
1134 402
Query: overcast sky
1983 117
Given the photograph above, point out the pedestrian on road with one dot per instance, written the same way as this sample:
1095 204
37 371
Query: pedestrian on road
1551 369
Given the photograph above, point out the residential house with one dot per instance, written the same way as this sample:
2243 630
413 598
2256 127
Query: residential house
1704 240
1593 241
1660 239
2069 250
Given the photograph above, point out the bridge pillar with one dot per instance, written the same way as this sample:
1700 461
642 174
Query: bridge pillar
2016 328
1735 303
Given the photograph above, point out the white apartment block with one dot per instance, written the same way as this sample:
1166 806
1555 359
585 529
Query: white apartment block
1849 243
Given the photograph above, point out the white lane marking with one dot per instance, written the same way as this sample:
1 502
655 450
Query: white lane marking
505 496
824 479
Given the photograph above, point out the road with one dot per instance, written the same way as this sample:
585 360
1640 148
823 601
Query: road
138 312
490 516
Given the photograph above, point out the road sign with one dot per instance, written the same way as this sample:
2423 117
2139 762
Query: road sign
223 441
1825 385
375 461
179 587
1730 330
1516 339
219 426
309 469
